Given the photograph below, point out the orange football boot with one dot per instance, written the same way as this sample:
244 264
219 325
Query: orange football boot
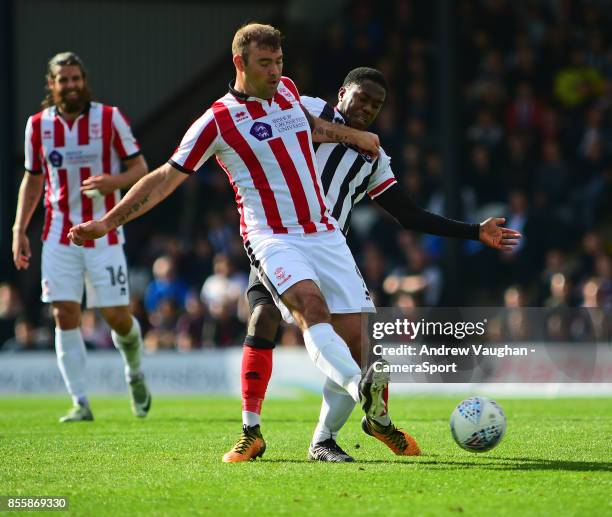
250 446
398 440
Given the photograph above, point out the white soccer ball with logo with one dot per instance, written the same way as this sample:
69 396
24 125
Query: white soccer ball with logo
478 424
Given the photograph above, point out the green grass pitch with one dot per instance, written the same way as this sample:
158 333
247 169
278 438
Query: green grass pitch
556 459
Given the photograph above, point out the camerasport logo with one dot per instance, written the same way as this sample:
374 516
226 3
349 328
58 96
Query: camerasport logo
281 275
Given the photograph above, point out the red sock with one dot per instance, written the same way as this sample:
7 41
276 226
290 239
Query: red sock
255 375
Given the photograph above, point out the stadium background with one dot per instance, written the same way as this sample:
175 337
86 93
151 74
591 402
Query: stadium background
494 108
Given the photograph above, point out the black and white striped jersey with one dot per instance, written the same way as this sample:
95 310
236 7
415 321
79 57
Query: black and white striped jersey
347 175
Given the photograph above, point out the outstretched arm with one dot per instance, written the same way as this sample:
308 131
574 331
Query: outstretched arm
412 217
144 195
29 195
324 131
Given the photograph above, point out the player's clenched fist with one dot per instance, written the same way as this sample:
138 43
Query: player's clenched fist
87 232
368 142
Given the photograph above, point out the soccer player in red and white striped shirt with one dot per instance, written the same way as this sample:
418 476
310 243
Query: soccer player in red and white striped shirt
262 137
76 148
347 177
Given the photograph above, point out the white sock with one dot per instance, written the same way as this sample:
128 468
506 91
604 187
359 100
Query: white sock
332 356
71 355
250 419
322 433
130 347
336 408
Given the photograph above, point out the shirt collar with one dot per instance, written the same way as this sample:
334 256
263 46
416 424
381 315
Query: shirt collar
339 115
241 96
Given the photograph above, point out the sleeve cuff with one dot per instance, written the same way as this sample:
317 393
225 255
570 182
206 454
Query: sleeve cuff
34 172
133 155
377 191
476 232
180 167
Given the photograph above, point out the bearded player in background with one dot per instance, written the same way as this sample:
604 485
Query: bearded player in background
77 148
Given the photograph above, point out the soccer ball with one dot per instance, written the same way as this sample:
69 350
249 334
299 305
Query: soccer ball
478 424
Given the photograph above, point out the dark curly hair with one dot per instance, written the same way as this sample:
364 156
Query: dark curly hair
363 73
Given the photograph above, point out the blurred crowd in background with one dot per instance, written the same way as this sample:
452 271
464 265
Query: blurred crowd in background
535 87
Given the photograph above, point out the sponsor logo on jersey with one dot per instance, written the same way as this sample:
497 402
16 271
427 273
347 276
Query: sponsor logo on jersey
281 275
290 123
261 131
55 158
284 91
95 131
47 134
79 158
240 116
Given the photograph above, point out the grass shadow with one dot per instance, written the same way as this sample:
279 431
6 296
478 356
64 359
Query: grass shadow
517 464
488 463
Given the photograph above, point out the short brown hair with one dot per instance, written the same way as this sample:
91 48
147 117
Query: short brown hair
264 36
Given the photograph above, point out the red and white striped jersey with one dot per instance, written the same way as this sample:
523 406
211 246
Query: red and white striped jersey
265 148
68 153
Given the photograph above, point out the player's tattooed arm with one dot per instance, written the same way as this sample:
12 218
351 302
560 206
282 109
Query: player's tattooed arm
364 140
29 195
309 117
133 210
324 131
321 133
144 195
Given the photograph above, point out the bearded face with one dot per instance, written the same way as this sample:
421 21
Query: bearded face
69 89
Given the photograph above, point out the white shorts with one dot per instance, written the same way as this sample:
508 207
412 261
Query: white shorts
66 270
282 260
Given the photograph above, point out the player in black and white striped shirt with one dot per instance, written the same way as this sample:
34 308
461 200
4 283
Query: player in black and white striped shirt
347 176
